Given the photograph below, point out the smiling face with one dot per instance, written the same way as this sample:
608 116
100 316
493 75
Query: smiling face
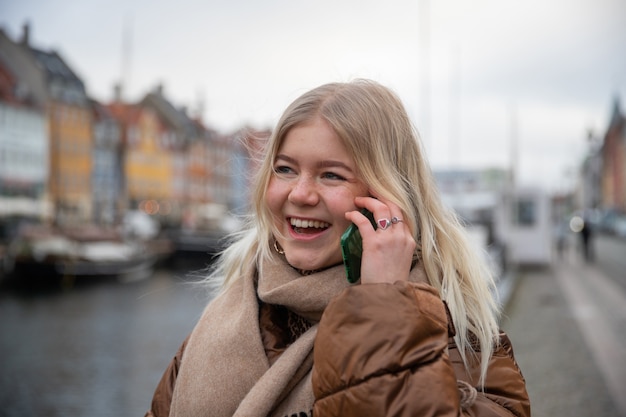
313 185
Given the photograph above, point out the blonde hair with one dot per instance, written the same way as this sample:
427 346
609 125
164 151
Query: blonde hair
375 128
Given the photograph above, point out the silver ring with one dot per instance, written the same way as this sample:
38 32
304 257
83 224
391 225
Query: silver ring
383 223
395 220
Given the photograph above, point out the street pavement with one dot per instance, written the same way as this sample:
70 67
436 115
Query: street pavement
567 323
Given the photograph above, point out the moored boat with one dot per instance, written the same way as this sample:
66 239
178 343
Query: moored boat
45 255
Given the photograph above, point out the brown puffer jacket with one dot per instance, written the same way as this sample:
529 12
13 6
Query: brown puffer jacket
388 352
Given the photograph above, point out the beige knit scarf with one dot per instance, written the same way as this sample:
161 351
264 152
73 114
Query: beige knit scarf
225 371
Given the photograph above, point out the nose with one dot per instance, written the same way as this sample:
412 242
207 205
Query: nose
304 192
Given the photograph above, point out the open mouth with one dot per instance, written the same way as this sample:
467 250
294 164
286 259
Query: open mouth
303 226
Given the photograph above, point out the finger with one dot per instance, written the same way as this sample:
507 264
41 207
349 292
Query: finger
385 212
379 209
360 220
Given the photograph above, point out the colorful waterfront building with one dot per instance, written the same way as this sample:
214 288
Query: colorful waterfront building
614 161
55 87
147 164
23 149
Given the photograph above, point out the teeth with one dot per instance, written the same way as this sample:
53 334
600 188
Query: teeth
309 223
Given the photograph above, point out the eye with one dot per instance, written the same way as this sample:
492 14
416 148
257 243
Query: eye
333 176
283 170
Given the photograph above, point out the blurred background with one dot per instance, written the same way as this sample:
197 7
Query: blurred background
128 132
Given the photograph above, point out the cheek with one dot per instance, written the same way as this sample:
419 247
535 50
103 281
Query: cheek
339 203
344 197
343 201
274 196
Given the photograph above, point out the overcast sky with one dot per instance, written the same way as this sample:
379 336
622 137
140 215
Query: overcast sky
479 78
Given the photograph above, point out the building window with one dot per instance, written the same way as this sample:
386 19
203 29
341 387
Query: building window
526 212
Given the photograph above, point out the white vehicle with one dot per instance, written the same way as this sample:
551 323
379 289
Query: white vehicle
522 223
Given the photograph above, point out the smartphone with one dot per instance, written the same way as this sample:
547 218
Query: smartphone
352 248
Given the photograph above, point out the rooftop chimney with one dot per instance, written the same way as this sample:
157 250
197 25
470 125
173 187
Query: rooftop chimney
25 34
117 92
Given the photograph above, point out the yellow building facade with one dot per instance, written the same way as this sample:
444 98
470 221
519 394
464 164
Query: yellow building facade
70 162
148 164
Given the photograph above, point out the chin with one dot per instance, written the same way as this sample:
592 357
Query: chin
309 263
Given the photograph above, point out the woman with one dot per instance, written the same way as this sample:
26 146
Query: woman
288 335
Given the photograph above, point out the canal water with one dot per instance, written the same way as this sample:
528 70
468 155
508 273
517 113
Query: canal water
96 348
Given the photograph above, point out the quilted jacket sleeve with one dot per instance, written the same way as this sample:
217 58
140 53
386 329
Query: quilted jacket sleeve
162 399
384 352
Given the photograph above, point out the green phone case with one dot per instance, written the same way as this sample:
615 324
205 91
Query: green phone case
352 249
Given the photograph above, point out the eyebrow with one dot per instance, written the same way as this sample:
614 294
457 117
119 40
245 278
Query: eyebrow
328 163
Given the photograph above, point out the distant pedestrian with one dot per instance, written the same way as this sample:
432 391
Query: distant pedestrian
586 234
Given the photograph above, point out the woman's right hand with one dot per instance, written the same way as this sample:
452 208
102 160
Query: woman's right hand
388 250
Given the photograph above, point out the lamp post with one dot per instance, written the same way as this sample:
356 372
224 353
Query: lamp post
594 170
